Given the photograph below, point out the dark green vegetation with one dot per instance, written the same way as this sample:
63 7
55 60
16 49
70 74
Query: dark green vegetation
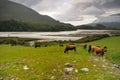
16 40
98 26
12 25
92 38
47 63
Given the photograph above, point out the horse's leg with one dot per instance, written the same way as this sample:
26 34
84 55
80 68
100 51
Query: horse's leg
97 53
102 54
75 49
65 50
89 49
93 50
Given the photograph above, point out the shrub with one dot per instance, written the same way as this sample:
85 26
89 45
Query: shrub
92 38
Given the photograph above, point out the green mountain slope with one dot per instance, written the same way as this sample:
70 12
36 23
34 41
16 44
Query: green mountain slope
10 10
17 17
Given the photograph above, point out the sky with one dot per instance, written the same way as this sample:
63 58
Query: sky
75 12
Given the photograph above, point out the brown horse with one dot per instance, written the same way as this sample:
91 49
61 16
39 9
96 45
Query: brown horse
98 50
70 47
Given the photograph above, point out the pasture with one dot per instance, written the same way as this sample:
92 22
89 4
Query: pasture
48 63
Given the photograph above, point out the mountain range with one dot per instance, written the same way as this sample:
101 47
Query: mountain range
14 16
112 21
108 22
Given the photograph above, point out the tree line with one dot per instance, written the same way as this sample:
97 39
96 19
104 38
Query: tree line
13 25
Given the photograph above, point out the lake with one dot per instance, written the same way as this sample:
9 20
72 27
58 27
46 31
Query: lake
62 35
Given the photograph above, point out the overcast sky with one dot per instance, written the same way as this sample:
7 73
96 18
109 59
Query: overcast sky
76 12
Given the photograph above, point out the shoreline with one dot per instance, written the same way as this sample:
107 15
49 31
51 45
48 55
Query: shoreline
56 36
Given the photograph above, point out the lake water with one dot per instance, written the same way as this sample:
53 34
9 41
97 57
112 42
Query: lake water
62 35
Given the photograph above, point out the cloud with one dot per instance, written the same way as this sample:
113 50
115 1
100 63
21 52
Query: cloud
112 4
86 20
28 3
92 10
71 10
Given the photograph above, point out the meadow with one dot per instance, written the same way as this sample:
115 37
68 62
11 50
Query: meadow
48 63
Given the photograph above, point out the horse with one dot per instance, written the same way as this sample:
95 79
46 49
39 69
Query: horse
37 45
98 50
70 47
61 45
13 43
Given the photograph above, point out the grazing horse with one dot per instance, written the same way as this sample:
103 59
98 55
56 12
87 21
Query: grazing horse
61 45
37 45
70 47
13 43
98 50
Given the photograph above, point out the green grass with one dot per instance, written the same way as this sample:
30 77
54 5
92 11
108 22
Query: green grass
113 45
45 62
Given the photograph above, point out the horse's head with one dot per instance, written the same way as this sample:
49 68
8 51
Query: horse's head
105 48
65 51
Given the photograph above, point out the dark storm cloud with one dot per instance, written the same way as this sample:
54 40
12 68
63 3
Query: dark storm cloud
112 4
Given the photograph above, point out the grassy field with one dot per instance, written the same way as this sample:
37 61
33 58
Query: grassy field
112 43
48 63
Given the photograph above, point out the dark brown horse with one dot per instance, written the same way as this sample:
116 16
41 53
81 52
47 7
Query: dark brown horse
97 49
70 47
37 45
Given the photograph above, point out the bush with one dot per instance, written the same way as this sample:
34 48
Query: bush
92 38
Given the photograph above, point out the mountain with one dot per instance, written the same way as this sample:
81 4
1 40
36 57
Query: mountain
11 10
108 22
108 19
91 26
112 21
14 15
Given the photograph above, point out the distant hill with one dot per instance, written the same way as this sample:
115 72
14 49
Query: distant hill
109 22
13 15
112 21
89 26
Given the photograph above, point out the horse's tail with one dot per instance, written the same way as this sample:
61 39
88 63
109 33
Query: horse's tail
89 48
